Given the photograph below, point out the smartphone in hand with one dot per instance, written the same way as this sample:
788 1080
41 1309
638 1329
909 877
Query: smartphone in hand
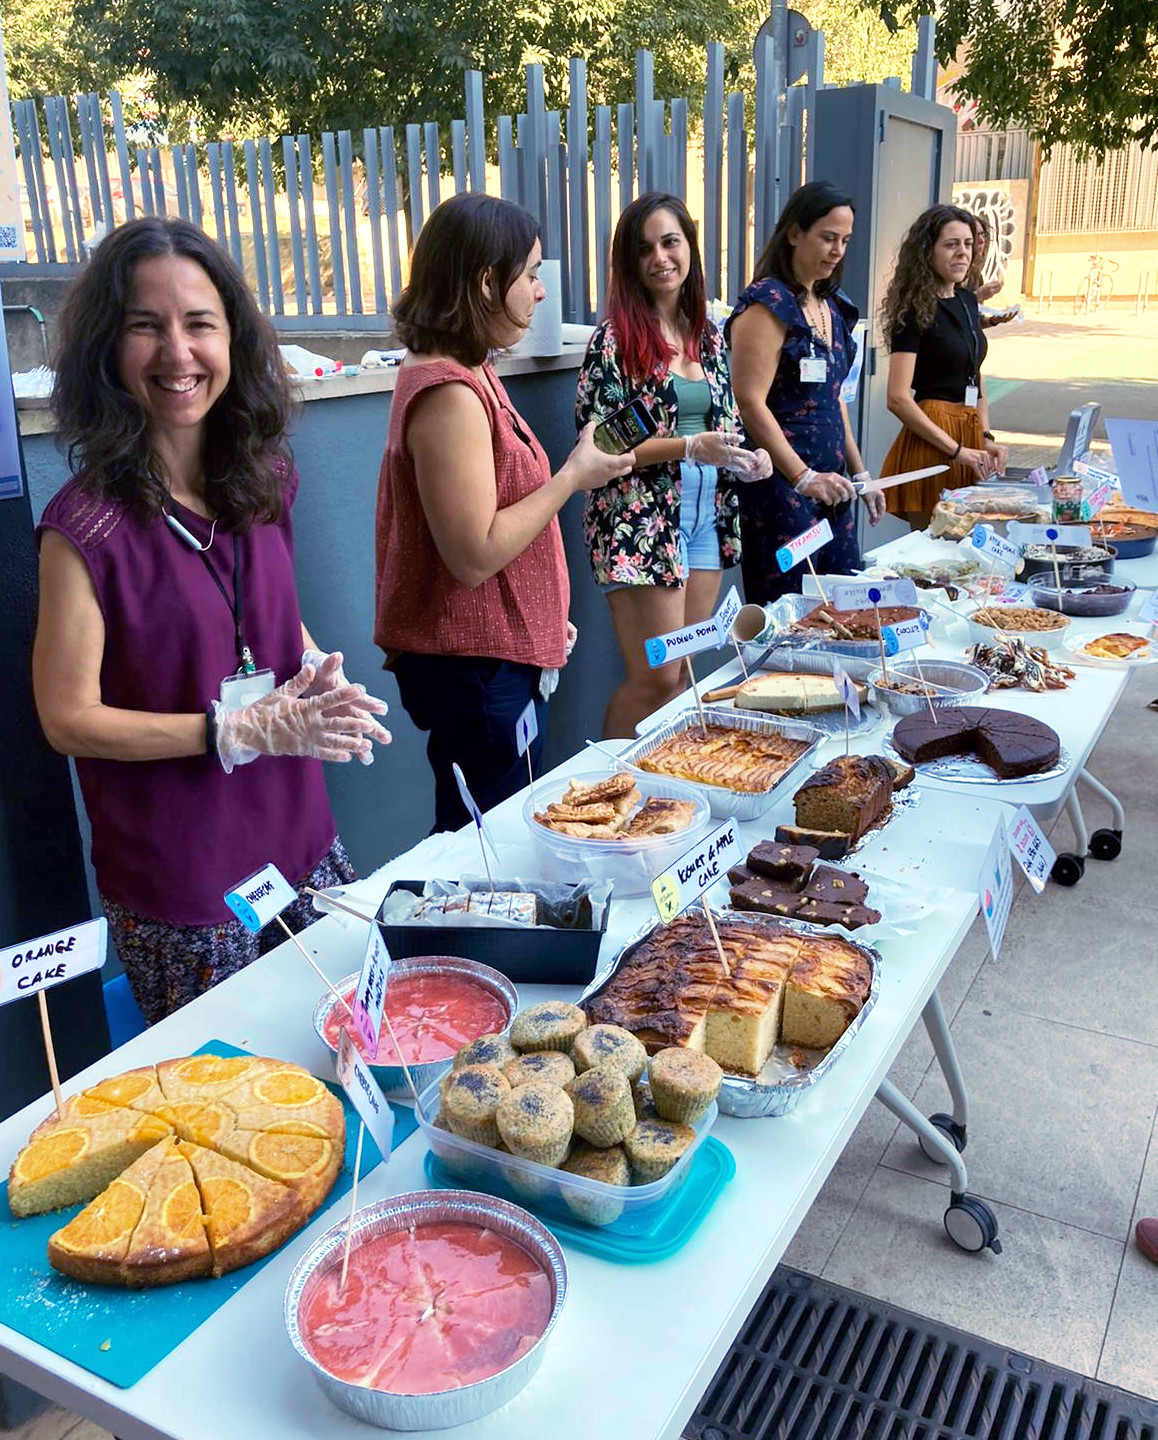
624 429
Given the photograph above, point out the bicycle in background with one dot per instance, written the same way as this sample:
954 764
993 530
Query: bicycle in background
1097 285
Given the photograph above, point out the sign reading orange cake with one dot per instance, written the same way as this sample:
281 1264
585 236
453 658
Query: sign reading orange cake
195 1166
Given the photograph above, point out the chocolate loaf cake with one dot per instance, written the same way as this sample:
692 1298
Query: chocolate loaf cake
850 794
1011 744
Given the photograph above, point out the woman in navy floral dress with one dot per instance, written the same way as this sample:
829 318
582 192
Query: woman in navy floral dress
792 347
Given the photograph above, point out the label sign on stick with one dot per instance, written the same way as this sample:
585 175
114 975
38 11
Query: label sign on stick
526 728
846 690
1031 849
677 887
726 615
1048 534
986 540
1148 610
472 808
52 959
856 596
995 887
1135 447
677 644
803 545
365 1095
261 898
905 635
370 994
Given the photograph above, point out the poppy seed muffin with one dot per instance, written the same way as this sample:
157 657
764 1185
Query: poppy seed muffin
654 1146
551 1066
535 1122
610 1044
604 1108
486 1050
683 1084
550 1025
608 1167
471 1099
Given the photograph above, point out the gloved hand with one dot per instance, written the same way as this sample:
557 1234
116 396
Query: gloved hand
326 727
873 498
715 447
329 675
757 466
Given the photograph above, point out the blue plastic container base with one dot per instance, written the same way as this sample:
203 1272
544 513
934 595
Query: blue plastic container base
642 1239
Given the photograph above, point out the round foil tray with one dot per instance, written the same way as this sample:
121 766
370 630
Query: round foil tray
968 770
391 1077
445 1408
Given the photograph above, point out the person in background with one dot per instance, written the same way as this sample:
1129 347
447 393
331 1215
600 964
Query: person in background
985 290
660 536
169 646
791 335
472 589
931 325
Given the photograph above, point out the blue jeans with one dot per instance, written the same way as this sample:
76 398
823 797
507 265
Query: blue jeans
470 704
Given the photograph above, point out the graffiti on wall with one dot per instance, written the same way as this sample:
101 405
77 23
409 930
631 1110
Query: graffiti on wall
994 205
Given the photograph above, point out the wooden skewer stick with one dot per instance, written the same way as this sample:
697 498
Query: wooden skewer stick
1056 571
530 777
925 685
405 1069
50 1053
716 936
353 1205
740 656
312 963
881 642
816 577
696 693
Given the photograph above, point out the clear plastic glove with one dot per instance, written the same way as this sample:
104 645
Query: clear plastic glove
572 637
827 487
874 500
998 455
715 447
284 722
757 466
329 676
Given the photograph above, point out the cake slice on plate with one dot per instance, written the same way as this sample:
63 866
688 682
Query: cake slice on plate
308 1164
134 1089
69 1161
290 1100
247 1215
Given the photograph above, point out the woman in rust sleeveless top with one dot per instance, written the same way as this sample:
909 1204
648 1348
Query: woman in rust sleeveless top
472 589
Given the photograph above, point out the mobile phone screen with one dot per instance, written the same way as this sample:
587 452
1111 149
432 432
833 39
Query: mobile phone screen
624 429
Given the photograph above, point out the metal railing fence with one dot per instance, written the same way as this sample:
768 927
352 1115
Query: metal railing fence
323 232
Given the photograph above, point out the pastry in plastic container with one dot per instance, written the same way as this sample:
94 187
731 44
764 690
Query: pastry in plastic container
957 511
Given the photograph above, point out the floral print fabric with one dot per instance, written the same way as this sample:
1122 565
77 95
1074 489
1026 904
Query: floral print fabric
631 526
771 512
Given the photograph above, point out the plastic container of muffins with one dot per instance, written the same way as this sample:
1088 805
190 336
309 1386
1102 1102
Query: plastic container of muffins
440 1409
1048 638
631 865
952 683
1106 597
549 1191
731 804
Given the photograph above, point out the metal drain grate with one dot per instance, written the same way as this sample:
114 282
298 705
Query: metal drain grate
815 1362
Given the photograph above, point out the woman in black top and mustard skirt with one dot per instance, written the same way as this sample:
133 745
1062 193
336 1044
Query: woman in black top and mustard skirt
936 352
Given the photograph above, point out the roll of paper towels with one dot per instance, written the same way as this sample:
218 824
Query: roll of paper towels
545 335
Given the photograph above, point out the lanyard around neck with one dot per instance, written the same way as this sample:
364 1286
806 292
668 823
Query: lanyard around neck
246 663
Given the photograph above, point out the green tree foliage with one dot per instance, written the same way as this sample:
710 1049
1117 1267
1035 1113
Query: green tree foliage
858 46
1078 71
43 56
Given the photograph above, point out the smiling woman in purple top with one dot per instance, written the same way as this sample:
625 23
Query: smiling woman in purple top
171 659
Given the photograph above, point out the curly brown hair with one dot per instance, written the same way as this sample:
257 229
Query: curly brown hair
246 458
912 290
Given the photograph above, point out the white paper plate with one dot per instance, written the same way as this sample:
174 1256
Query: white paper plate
1074 646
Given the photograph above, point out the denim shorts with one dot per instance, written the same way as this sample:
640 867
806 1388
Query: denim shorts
699 542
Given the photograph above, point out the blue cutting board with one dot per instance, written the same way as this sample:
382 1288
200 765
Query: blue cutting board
140 1327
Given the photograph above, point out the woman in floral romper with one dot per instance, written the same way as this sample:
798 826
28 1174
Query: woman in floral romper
659 537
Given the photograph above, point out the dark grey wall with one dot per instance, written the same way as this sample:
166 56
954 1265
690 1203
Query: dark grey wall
338 444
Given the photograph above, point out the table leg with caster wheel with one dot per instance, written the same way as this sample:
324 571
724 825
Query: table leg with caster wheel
968 1222
1106 844
953 1127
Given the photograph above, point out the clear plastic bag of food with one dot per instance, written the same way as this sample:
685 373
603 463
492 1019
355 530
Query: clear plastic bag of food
957 511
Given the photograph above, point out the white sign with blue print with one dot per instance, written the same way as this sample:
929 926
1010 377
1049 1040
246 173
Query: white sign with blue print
526 728
801 546
906 634
857 595
261 898
706 635
986 540
1049 534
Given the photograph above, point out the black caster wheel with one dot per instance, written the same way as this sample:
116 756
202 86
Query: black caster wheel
1067 869
1106 844
954 1133
970 1224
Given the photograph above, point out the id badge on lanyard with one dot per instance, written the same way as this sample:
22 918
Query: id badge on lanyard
240 690
813 369
972 395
